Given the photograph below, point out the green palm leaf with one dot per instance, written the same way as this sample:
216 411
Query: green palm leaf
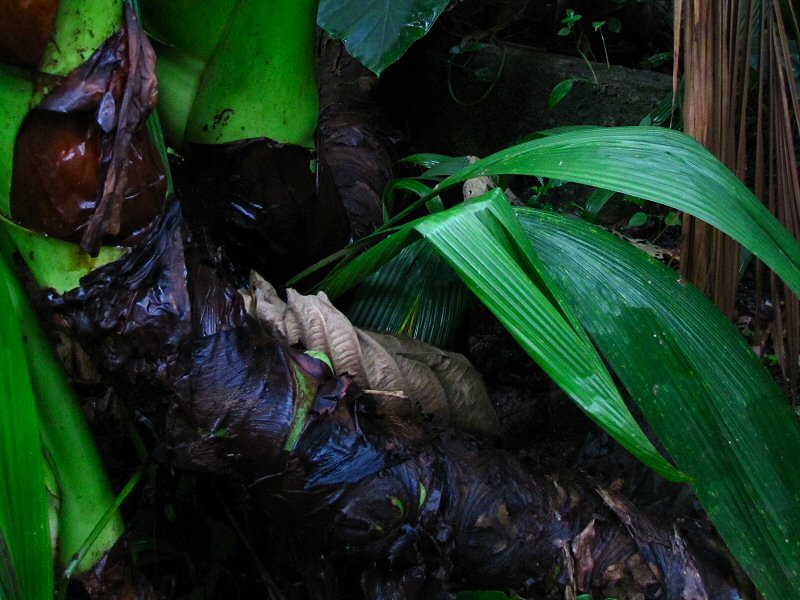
657 164
717 410
483 242
416 294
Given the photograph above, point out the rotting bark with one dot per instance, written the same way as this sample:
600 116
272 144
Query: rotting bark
419 510
353 135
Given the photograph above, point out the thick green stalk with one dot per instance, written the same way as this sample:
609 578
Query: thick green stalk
16 91
81 26
191 27
85 491
179 75
261 81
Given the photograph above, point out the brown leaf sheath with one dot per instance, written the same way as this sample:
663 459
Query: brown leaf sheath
85 168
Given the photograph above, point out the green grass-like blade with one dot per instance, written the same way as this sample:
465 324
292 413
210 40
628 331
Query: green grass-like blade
349 273
483 242
657 164
23 503
85 491
713 405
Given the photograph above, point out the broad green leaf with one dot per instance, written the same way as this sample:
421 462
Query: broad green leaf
483 242
595 203
9 584
378 32
660 165
559 92
416 294
717 410
350 273
23 504
672 219
637 219
407 184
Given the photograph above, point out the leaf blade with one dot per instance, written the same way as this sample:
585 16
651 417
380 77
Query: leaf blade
717 410
23 503
532 312
415 294
658 164
378 32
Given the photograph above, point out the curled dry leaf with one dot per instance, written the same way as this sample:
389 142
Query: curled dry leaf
441 384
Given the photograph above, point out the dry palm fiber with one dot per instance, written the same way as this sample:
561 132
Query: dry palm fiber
719 43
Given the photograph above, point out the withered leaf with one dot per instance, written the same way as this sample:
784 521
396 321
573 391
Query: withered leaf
441 384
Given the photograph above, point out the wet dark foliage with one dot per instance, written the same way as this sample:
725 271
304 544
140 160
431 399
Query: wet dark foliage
269 475
410 510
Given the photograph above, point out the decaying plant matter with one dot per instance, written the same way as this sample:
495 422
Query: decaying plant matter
360 455
85 167
430 509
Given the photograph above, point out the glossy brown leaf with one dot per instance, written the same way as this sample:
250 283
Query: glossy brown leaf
92 165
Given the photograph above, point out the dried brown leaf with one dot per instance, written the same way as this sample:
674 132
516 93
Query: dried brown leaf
441 384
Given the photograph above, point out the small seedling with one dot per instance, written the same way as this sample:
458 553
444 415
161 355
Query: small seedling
561 89
614 26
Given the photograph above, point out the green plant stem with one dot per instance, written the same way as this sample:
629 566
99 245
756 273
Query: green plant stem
81 27
261 80
110 514
605 49
589 64
85 491
179 76
191 27
16 91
